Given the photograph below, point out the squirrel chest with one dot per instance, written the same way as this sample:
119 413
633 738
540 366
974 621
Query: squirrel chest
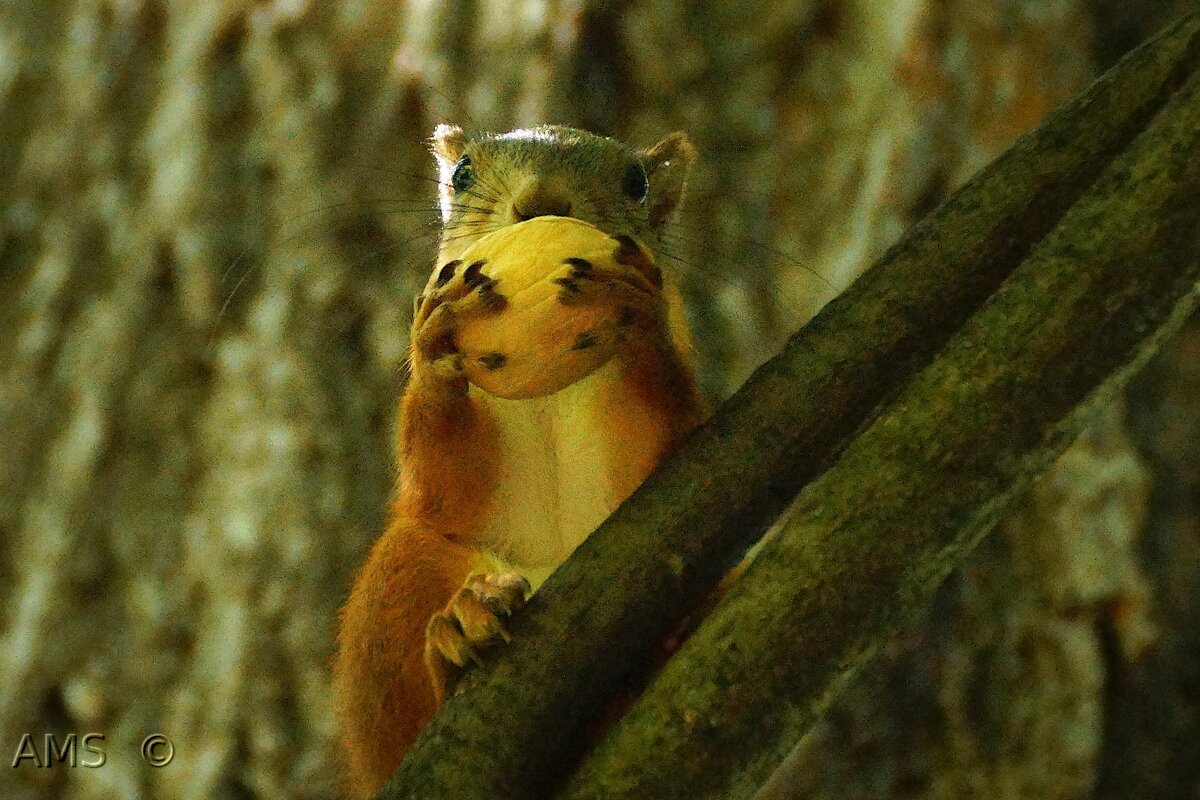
564 462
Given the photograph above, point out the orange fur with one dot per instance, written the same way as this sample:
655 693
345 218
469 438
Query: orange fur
463 456
384 691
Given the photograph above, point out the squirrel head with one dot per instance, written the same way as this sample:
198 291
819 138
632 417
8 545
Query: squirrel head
493 180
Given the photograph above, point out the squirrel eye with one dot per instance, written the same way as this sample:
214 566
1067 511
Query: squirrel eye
463 175
635 183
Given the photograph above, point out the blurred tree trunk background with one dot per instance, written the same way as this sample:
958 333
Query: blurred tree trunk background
214 217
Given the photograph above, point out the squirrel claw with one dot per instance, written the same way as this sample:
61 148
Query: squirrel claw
437 315
633 296
471 623
583 283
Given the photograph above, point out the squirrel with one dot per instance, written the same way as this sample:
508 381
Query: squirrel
493 494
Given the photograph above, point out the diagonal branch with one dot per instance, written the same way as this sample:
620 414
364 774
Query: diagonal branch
514 731
873 537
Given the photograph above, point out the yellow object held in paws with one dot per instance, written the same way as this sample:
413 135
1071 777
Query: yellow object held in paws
553 325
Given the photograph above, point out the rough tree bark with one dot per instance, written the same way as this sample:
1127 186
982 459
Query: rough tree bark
871 538
192 470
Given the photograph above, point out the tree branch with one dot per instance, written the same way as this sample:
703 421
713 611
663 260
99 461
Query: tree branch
512 731
873 537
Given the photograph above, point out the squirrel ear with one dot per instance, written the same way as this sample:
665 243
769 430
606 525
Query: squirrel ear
667 166
448 143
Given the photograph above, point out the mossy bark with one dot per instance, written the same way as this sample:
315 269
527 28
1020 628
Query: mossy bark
872 538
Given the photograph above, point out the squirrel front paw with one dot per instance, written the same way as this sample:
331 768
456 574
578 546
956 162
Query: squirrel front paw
471 622
633 293
458 294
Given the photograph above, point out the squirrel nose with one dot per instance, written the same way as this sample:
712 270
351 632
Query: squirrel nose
536 199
